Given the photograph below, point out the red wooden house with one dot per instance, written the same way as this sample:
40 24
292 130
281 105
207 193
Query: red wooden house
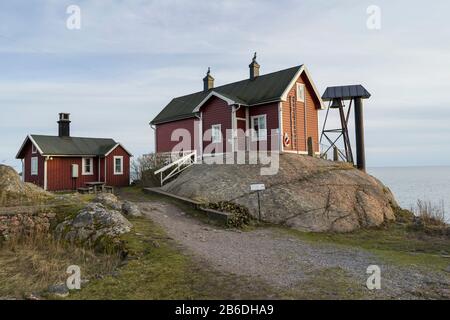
59 163
280 109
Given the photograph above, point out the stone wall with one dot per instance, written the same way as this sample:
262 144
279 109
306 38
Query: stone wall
18 224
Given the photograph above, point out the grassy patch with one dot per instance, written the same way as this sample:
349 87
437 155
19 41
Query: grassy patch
33 264
157 269
395 243
328 284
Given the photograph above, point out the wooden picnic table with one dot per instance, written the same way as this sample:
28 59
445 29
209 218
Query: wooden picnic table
96 185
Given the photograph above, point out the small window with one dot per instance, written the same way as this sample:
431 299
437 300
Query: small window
88 166
259 128
118 165
300 92
34 166
216 135
33 148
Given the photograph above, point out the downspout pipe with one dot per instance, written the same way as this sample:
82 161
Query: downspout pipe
236 107
154 130
199 139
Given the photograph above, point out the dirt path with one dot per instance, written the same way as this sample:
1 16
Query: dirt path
288 262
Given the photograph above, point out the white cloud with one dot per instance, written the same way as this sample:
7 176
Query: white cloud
130 58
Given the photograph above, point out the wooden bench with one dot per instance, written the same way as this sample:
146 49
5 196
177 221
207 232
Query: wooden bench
108 189
85 190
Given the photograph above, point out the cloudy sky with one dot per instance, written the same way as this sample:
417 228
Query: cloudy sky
131 57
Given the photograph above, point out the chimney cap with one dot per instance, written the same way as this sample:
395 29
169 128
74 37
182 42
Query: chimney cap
64 116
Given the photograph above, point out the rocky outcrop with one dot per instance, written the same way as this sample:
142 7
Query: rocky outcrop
109 200
112 202
131 209
307 193
95 225
14 192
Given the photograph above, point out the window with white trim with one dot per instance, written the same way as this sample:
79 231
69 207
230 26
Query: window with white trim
216 133
34 166
259 128
33 148
300 92
87 166
118 165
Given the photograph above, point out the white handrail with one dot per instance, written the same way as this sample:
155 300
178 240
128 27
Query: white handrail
185 160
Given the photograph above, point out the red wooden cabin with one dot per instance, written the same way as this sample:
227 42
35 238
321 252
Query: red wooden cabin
62 163
279 109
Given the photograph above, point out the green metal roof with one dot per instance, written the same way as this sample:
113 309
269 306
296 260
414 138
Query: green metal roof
266 88
73 146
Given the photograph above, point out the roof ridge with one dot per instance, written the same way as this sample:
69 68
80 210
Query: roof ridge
53 136
235 82
264 88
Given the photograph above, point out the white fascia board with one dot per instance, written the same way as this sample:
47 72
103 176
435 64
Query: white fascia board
113 148
294 80
33 142
215 94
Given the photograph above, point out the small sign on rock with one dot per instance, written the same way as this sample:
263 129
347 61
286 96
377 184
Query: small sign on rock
257 187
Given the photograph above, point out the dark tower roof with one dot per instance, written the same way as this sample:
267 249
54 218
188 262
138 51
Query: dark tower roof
345 92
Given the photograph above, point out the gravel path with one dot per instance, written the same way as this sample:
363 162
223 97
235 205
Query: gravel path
285 261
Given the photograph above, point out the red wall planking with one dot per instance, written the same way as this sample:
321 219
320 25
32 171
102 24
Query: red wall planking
59 174
164 133
118 180
271 112
27 153
217 111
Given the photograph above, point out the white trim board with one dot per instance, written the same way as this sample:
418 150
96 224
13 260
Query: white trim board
215 94
294 80
117 145
252 137
28 137
83 166
117 173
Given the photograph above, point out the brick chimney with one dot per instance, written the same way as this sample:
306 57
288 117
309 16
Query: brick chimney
254 68
208 81
64 125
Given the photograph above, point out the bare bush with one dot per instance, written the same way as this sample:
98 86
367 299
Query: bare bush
430 214
143 168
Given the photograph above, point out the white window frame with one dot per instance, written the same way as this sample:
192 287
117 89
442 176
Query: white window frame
300 90
34 167
255 136
219 138
83 167
33 149
118 173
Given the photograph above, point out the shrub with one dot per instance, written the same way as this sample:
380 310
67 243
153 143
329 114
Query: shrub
430 214
403 215
240 216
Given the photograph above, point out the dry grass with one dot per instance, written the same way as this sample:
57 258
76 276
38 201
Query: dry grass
430 214
33 263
